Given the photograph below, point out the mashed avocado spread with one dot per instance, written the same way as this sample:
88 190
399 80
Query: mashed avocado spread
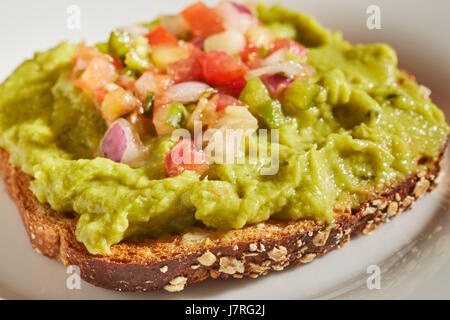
355 126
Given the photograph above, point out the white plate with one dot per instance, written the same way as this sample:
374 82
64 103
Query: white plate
412 251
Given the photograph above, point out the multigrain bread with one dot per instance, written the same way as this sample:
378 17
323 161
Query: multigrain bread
172 263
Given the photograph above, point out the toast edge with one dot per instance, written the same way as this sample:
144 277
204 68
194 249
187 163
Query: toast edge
52 235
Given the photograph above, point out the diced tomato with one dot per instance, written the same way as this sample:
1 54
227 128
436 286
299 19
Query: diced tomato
250 56
93 69
161 36
127 82
184 156
99 94
160 115
222 101
85 55
202 21
118 102
198 42
291 45
189 69
98 73
151 82
220 68
234 87
117 62
249 52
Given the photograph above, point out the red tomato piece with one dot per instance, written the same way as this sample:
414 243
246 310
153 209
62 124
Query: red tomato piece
234 87
219 67
222 101
99 94
184 156
161 36
291 45
202 21
249 53
189 69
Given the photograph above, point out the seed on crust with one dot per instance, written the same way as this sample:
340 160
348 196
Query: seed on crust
367 211
163 269
421 187
278 268
214 273
254 247
176 284
381 203
308 258
207 259
277 254
407 201
392 209
231 265
302 251
321 238
258 269
195 237
370 226
250 254
422 173
195 266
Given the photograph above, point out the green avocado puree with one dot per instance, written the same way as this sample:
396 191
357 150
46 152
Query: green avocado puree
356 126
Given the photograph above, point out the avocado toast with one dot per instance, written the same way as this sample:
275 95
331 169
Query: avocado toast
359 141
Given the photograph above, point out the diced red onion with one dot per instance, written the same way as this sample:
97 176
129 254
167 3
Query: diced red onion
241 8
236 16
121 143
198 42
273 82
186 92
289 68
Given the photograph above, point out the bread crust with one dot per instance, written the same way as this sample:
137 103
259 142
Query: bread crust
174 262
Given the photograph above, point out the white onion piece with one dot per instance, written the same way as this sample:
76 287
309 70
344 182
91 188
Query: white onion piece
230 41
276 57
134 31
236 117
111 86
175 24
121 143
260 36
289 68
204 113
234 17
145 84
186 92
226 135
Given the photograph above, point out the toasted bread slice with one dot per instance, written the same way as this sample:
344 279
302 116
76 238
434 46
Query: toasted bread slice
172 263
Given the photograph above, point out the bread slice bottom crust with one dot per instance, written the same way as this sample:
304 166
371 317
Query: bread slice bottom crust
174 262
